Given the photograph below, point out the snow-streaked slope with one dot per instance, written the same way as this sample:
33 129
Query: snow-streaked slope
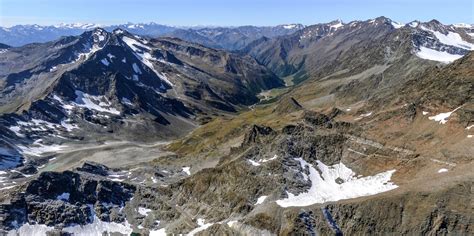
324 187
142 52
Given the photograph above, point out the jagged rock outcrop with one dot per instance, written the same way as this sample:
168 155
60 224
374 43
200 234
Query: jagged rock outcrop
68 198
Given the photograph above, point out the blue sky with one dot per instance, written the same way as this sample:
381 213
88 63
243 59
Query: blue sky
229 12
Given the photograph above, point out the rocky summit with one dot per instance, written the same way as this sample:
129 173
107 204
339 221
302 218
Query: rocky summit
339 128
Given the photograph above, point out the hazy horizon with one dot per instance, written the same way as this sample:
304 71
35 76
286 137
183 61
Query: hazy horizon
187 13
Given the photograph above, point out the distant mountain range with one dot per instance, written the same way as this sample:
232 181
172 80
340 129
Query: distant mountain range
320 49
210 36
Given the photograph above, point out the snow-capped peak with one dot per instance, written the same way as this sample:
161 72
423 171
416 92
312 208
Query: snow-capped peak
77 25
336 24
414 24
463 25
290 26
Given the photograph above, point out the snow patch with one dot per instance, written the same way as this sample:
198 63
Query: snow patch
257 163
126 101
442 170
159 232
16 130
63 197
105 62
186 170
144 211
136 68
202 226
433 55
260 200
442 117
98 103
254 163
396 25
324 187
443 162
68 126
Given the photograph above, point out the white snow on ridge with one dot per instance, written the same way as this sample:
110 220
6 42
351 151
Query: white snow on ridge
396 25
324 187
291 26
414 24
431 54
337 25
463 25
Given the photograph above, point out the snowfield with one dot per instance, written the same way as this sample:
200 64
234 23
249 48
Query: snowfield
335 183
433 55
452 39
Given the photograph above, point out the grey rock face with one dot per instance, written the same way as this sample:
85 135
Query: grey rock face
68 198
